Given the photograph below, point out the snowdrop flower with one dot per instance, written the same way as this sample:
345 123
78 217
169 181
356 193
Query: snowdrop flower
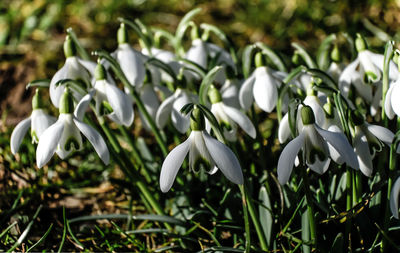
262 86
336 67
392 101
364 73
39 121
319 114
230 90
110 100
74 68
394 198
204 152
129 59
313 141
64 135
150 101
200 52
171 108
229 117
365 135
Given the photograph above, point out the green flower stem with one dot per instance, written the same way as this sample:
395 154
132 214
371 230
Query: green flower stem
348 201
246 219
385 77
124 164
310 207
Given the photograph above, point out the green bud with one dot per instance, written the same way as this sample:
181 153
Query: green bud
37 102
307 115
67 102
357 118
296 58
197 122
329 111
361 44
100 72
335 54
259 60
69 47
310 90
214 95
122 34
194 33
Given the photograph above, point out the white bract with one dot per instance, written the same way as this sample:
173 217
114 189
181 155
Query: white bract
314 140
394 198
204 152
64 136
170 108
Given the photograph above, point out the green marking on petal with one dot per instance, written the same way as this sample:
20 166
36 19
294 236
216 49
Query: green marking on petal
71 144
105 108
315 153
370 77
34 136
201 164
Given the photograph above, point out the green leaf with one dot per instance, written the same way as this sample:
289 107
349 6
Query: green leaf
205 84
274 57
149 217
156 62
385 75
213 121
323 53
194 67
338 243
265 210
305 230
183 25
45 83
306 57
325 78
146 39
187 108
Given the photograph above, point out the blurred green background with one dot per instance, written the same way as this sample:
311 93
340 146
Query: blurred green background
32 32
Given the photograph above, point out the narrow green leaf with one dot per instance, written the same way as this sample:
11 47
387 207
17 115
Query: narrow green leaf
305 230
150 217
45 83
205 84
338 244
156 62
324 52
41 239
274 57
247 59
81 50
183 25
306 57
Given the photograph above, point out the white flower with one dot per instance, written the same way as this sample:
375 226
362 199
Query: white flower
229 118
392 101
365 135
203 150
262 86
75 69
131 63
110 100
313 141
170 108
64 136
230 93
335 70
39 121
394 198
150 102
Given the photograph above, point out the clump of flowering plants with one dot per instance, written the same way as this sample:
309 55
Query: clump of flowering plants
311 143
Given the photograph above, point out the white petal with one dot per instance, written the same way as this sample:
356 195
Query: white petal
241 119
365 90
198 53
388 103
395 98
180 121
89 65
150 99
382 133
121 104
284 129
95 139
70 131
339 142
48 143
197 150
57 91
164 111
224 159
246 92
265 90
131 64
287 158
318 166
369 66
376 101
334 154
347 76
378 60
171 165
313 102
41 121
394 198
230 93
18 134
363 153
83 104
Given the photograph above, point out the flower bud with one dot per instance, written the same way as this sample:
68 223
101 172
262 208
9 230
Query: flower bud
329 111
100 72
122 34
335 54
69 47
67 102
259 60
361 44
197 122
37 102
214 95
307 115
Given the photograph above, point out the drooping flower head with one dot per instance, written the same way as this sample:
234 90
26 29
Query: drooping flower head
63 137
205 152
39 121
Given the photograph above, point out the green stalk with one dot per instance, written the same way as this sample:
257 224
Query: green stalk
246 219
348 201
310 208
385 77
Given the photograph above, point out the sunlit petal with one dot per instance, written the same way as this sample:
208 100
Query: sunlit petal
382 133
388 102
265 90
171 165
246 92
131 64
241 119
83 104
287 158
48 143
120 103
41 121
164 111
284 129
363 153
18 134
